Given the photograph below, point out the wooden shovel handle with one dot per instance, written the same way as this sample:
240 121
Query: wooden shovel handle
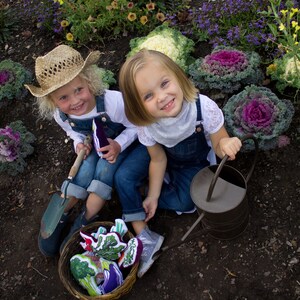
74 169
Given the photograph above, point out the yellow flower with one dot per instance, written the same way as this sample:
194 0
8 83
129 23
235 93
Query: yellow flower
296 43
131 17
143 20
61 2
69 37
284 12
64 23
297 28
150 6
294 24
160 16
281 27
271 69
114 4
293 11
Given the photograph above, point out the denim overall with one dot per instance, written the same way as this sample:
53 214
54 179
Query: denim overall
95 174
185 160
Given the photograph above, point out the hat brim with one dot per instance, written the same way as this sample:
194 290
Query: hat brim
91 59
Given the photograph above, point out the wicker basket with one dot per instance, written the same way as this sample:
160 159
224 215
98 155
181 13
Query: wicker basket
73 247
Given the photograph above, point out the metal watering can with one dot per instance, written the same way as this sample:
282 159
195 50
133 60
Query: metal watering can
219 193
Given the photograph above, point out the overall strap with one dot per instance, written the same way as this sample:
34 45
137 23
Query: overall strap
199 113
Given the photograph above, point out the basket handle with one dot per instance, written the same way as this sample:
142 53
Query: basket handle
216 175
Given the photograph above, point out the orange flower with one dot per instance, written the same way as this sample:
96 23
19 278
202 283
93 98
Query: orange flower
130 5
150 6
131 17
160 16
143 20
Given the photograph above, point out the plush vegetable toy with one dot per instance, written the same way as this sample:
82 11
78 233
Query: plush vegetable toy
105 257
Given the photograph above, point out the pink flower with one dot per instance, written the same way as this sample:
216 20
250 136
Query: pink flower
283 141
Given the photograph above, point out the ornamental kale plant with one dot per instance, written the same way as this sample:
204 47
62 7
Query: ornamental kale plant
258 111
12 78
286 72
226 69
168 41
15 146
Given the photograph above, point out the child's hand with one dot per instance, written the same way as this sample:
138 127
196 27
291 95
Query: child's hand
87 149
113 150
230 146
150 206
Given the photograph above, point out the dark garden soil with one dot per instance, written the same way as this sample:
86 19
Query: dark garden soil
261 263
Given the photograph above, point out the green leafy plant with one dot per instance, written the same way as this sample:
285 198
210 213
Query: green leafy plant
15 146
286 28
168 41
8 23
258 111
12 78
226 69
107 77
91 20
286 72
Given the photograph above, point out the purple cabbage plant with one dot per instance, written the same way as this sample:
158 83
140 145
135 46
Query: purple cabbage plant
12 78
15 146
258 111
227 70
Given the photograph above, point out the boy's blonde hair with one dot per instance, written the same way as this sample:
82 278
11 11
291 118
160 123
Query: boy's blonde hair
134 106
46 106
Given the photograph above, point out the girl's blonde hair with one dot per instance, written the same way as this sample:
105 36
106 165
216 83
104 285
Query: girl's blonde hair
134 106
46 106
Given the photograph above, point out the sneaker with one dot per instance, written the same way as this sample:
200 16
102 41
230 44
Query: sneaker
186 212
151 243
49 247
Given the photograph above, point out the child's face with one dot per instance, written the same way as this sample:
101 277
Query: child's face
159 90
74 98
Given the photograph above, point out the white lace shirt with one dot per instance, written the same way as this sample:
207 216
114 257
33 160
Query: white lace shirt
212 117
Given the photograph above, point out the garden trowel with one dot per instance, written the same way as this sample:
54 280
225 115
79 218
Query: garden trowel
58 201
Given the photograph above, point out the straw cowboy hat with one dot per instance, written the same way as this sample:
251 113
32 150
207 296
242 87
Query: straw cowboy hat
57 68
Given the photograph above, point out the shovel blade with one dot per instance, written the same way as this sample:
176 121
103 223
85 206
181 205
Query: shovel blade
52 215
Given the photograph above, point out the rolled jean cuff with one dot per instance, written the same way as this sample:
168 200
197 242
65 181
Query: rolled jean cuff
101 189
74 190
139 216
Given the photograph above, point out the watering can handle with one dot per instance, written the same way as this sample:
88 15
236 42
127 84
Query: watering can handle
214 180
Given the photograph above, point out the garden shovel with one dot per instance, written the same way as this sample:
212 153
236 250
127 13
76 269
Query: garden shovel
58 202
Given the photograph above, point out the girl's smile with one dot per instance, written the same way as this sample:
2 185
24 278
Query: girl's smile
74 98
159 90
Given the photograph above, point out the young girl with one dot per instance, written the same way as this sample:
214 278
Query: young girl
71 92
174 124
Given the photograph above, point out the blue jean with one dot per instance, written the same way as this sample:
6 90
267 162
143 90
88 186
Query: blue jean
133 173
95 175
